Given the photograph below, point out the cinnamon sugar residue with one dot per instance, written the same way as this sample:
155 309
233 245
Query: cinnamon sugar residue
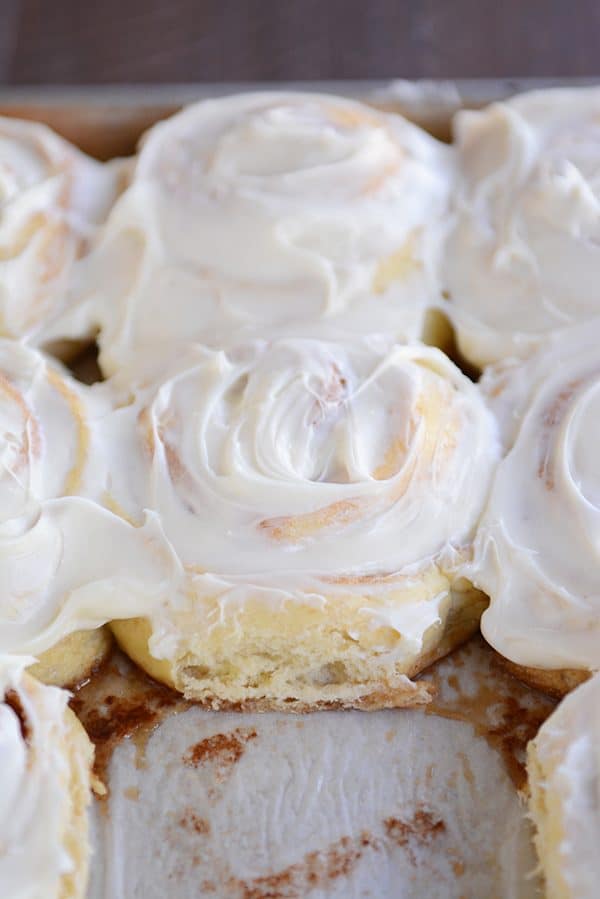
458 868
499 707
317 870
423 826
189 820
420 830
223 750
121 702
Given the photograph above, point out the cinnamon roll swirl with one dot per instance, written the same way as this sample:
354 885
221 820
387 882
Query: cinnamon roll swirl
537 550
320 497
52 198
522 259
563 767
67 565
45 762
289 213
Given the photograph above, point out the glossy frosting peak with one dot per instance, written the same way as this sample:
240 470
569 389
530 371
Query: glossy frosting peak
51 199
538 545
66 563
522 259
301 467
270 213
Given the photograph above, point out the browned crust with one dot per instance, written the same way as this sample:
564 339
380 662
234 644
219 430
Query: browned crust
555 682
406 696
73 659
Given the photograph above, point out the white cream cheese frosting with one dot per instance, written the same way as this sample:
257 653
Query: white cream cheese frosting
564 759
522 258
300 468
66 563
52 198
538 545
270 213
40 758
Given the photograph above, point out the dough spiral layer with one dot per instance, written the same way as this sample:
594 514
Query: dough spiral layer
323 489
270 213
66 563
52 198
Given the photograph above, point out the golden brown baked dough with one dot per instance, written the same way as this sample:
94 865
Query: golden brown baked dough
563 768
46 789
73 659
556 682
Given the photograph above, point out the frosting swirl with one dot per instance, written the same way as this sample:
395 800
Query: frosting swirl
522 257
275 212
51 200
538 546
42 760
297 467
51 470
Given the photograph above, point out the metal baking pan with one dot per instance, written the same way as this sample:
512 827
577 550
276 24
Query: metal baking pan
107 121
405 803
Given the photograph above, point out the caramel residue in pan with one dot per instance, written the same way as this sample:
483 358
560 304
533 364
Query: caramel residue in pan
499 707
222 750
121 702
13 700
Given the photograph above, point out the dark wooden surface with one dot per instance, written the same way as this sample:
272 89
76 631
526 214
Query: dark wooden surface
108 41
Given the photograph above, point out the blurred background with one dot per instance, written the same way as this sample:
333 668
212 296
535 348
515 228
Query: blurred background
83 42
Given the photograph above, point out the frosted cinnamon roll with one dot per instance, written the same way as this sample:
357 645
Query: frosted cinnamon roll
45 761
52 198
298 213
563 766
522 259
67 565
320 497
538 548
